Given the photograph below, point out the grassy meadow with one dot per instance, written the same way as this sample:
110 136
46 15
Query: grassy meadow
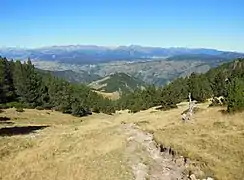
51 145
213 139
68 148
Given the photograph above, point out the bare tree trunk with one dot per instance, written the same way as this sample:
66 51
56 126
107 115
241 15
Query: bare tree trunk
187 116
189 99
191 106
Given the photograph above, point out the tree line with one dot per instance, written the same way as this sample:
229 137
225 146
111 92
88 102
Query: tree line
226 80
22 86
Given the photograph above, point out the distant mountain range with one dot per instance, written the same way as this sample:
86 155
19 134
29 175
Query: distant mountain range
153 65
79 54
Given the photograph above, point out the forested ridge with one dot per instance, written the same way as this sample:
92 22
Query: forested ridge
120 82
22 86
226 80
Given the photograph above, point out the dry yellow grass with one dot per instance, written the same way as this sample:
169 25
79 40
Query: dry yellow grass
71 148
112 96
92 148
212 138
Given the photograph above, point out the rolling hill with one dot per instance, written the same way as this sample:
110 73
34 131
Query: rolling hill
158 72
214 59
74 77
118 82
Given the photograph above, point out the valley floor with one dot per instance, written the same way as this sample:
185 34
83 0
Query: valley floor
50 145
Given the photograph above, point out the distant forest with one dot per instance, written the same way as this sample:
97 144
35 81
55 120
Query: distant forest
226 81
22 86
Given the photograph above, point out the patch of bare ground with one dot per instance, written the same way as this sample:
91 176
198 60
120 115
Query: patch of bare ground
147 160
112 96
213 140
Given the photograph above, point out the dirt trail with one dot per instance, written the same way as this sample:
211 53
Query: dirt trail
145 157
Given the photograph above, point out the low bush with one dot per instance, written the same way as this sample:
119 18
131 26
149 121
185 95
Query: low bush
79 111
19 109
3 106
96 110
40 108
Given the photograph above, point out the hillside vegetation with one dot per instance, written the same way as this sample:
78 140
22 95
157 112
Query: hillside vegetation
153 65
118 82
81 77
158 71
152 71
21 86
226 80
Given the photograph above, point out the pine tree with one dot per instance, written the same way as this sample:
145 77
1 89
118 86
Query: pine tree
199 87
7 93
28 84
235 97
219 85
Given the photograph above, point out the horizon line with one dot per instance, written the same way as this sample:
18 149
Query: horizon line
114 47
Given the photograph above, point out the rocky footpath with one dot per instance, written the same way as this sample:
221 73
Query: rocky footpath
152 161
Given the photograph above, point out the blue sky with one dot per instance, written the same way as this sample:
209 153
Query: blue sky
165 23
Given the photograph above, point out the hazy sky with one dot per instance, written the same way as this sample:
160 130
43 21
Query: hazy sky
166 23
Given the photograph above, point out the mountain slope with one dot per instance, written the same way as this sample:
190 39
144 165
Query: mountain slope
153 65
22 86
200 57
158 72
226 80
74 77
119 82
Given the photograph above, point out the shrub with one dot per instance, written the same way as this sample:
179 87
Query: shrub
96 110
40 108
3 106
79 110
13 105
134 109
47 106
64 109
19 109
